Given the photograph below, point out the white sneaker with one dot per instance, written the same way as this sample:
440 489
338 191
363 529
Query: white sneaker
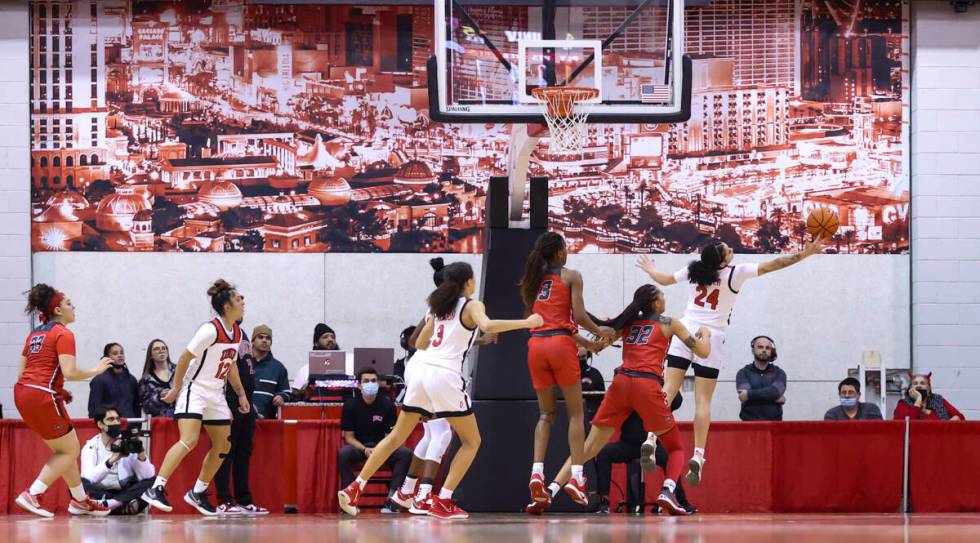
229 509
253 510
694 468
648 460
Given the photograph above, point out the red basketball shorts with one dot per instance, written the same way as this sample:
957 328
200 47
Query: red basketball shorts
553 360
641 394
42 411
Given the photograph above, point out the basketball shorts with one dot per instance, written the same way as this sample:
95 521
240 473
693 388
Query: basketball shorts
627 394
204 404
43 411
715 357
553 360
434 391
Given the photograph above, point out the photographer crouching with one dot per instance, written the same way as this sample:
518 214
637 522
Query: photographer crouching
115 469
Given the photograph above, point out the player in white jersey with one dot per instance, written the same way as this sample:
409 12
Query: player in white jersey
436 433
208 362
436 386
715 284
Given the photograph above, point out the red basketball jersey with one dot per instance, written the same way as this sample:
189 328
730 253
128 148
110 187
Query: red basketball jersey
554 303
644 347
42 349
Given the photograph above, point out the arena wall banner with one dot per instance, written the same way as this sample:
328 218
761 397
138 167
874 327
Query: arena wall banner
234 126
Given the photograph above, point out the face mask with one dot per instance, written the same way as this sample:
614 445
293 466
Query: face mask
114 430
369 389
848 402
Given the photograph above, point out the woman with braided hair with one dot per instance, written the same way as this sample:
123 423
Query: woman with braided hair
637 386
553 291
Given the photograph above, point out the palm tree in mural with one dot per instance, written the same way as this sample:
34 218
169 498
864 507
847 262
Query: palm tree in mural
799 232
850 237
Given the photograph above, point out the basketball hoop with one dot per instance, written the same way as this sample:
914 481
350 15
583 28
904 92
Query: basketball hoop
566 109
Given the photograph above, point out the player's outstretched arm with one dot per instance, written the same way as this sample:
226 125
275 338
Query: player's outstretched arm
700 342
647 264
582 318
476 313
777 264
71 371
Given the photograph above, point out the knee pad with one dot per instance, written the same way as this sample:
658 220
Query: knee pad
547 416
442 434
186 446
423 444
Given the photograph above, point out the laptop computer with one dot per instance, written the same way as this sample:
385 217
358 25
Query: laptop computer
327 362
382 360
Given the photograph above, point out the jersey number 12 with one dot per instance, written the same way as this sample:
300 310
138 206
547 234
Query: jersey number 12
224 365
705 296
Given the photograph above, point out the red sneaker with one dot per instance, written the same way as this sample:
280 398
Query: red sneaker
348 499
30 502
446 510
537 508
539 493
88 507
577 492
402 499
421 505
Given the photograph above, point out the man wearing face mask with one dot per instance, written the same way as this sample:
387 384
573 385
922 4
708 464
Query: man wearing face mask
761 385
365 420
115 387
850 407
921 403
114 470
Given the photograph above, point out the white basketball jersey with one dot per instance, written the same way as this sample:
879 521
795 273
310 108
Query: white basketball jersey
213 347
712 305
451 340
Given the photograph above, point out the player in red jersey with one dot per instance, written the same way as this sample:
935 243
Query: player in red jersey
47 360
638 386
553 291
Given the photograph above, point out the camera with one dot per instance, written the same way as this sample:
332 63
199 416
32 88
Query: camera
129 441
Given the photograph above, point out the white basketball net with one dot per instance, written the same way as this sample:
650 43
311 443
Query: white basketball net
565 110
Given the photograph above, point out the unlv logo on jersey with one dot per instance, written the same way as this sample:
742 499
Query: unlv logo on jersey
36 343
228 357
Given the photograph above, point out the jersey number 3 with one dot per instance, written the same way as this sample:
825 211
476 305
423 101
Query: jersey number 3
544 293
437 339
224 365
705 296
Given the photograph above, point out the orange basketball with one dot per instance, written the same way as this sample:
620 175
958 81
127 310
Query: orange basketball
822 221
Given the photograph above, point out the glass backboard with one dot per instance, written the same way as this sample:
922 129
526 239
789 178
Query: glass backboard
490 56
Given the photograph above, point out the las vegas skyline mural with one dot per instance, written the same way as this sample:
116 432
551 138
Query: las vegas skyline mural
239 126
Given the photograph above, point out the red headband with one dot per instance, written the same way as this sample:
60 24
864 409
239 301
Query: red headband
52 305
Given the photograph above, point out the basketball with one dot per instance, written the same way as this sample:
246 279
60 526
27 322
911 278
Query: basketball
822 221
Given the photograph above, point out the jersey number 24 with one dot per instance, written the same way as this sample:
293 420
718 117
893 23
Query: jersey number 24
711 297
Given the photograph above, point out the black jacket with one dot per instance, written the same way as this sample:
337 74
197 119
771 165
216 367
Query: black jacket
765 387
119 390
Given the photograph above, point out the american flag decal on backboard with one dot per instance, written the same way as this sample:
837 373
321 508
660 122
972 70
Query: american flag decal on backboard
654 94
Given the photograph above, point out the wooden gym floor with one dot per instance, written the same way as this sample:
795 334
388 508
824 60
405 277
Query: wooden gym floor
499 528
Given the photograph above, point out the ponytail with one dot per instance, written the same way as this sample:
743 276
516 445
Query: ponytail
438 264
442 300
640 307
547 246
706 270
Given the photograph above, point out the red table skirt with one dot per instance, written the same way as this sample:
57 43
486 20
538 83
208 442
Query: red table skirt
751 468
